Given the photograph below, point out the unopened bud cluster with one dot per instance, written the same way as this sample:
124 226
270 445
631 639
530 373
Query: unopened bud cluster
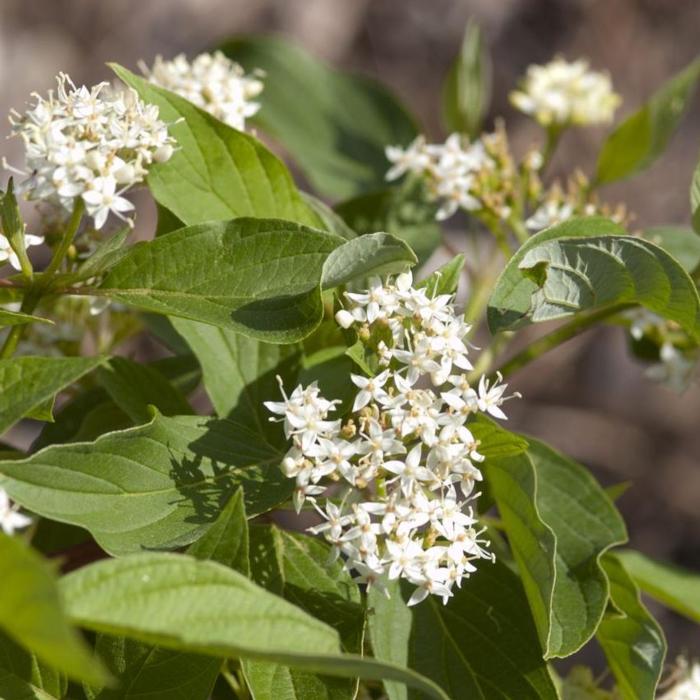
404 461
90 143
213 82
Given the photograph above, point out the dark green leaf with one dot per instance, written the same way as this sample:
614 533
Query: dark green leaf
27 383
330 221
13 227
156 486
134 387
15 318
216 172
641 138
678 589
181 603
32 614
467 89
335 126
695 199
107 253
586 264
559 523
402 211
631 639
259 277
445 279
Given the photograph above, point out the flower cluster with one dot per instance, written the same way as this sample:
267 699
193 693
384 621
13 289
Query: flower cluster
9 255
211 81
89 143
561 93
688 687
405 457
10 518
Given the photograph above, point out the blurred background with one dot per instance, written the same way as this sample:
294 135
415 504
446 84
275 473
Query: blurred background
588 398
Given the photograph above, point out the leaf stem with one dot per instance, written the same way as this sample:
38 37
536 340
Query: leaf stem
67 238
569 330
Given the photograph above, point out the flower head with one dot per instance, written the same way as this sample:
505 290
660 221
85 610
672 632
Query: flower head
404 457
10 518
9 255
211 81
91 143
561 93
688 686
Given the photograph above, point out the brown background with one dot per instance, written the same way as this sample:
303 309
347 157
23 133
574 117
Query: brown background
588 398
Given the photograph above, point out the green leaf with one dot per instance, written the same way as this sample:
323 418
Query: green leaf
13 227
559 523
26 383
24 677
371 254
134 387
330 221
586 264
32 614
676 588
181 603
216 172
321 589
445 280
259 277
695 199
641 138
160 485
146 669
402 211
239 372
335 126
482 644
631 639
15 318
466 92
495 441
680 242
108 252
226 541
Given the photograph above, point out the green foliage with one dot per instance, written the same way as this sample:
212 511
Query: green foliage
335 126
641 138
32 614
586 264
28 383
695 199
15 318
631 639
676 588
217 173
156 486
679 241
445 279
466 92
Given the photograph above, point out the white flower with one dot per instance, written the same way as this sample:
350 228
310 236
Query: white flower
10 518
688 688
676 369
82 142
562 93
9 255
405 459
213 82
548 214
412 159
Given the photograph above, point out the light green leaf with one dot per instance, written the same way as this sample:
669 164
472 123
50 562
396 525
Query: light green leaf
31 612
330 221
402 211
586 264
24 677
445 279
134 387
631 639
641 138
559 523
320 588
26 383
482 644
467 89
13 227
15 318
239 372
495 441
676 588
335 126
695 199
181 603
680 242
156 486
371 254
216 173
259 277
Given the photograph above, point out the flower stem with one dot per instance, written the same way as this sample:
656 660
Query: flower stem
560 335
553 136
37 290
